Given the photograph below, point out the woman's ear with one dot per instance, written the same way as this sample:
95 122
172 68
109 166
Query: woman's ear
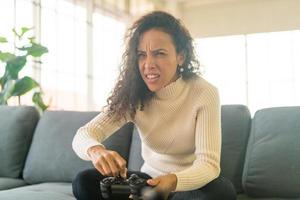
180 58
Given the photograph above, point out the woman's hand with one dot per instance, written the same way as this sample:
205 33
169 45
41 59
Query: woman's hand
108 163
164 184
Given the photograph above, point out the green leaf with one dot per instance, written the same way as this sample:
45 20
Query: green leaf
6 93
1 82
6 56
24 30
3 40
36 50
6 77
14 66
24 85
38 101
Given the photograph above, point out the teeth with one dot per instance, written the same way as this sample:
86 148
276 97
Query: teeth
151 76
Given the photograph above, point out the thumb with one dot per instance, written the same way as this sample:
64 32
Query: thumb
153 182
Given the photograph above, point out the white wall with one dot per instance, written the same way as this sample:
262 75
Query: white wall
241 16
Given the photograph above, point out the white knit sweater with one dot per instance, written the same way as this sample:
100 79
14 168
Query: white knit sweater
180 131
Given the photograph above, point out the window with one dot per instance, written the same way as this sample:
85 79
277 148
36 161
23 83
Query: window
223 61
6 12
258 70
85 46
108 36
63 75
16 14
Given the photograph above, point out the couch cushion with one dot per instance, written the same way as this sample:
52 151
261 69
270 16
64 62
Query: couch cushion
236 122
8 183
44 191
17 125
272 167
51 158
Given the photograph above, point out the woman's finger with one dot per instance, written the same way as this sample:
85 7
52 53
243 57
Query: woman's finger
123 173
99 168
105 166
120 161
114 168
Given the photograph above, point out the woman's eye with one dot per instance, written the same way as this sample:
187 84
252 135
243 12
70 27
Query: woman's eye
160 53
141 55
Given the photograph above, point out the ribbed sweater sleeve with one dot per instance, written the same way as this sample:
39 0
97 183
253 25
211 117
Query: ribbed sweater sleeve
93 133
206 166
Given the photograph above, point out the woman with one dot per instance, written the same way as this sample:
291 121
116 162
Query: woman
176 111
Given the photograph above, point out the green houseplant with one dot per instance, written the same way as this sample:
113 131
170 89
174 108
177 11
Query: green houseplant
11 84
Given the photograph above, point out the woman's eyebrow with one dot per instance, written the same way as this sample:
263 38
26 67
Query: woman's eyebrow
159 49
155 50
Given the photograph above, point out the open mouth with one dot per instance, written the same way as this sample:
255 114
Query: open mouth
152 76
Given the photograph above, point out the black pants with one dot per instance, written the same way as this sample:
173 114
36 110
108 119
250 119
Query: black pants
86 186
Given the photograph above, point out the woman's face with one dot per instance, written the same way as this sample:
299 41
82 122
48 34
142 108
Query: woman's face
157 59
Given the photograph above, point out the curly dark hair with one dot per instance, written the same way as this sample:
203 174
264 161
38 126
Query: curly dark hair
130 92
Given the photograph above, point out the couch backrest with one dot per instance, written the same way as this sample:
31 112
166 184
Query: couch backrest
236 120
17 124
51 158
272 166
236 123
135 160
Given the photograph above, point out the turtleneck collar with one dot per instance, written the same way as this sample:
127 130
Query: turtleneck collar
172 90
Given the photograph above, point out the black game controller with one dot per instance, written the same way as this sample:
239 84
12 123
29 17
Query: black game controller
115 186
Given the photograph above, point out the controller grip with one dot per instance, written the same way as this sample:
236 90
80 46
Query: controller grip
105 191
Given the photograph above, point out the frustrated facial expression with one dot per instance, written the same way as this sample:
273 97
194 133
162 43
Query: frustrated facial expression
158 59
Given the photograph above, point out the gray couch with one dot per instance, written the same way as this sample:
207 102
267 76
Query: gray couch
261 156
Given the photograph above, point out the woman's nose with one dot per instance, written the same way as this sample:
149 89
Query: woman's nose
149 62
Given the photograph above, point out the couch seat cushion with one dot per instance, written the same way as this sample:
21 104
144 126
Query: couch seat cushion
272 167
17 124
245 197
53 191
8 183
